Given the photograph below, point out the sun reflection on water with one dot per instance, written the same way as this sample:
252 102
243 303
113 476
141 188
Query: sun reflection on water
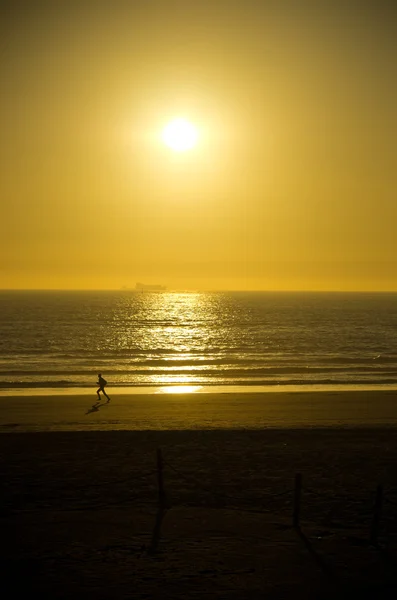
166 339
179 389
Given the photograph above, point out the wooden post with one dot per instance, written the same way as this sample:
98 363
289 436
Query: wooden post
373 538
160 478
297 500
161 509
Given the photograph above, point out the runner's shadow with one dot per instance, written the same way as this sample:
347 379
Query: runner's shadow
95 407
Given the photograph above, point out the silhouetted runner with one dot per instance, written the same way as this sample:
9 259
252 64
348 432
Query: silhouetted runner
102 382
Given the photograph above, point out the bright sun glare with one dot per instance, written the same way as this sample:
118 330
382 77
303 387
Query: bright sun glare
180 135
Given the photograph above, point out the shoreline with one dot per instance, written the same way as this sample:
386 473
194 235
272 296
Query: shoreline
197 389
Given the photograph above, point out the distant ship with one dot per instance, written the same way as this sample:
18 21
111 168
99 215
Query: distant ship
143 287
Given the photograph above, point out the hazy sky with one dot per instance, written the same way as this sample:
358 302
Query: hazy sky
291 186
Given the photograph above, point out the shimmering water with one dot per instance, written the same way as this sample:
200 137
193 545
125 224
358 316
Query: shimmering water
53 339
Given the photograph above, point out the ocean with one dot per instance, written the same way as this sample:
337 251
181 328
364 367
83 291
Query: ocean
64 339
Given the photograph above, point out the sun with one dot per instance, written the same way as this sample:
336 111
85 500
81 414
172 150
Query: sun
180 135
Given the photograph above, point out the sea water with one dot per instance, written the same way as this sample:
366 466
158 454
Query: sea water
64 339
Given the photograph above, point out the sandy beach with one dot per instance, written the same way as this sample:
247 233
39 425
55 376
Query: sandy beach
181 411
80 495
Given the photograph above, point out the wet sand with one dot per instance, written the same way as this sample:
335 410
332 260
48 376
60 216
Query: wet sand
198 411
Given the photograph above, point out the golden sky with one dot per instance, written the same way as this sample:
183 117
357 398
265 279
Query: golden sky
292 184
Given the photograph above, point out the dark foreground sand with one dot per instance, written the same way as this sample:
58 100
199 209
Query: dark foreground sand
78 511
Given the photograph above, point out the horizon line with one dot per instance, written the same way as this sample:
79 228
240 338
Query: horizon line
179 290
